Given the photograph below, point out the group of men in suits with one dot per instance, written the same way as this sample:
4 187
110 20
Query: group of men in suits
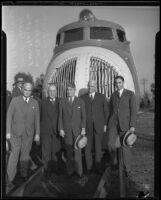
63 120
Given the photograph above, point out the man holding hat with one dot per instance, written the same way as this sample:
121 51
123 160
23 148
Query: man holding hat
121 129
17 90
72 123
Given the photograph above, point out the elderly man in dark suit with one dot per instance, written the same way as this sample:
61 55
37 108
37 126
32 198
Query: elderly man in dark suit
23 120
122 119
50 140
72 122
96 123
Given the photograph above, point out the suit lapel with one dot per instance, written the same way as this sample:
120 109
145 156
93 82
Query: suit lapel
95 97
123 95
74 103
68 106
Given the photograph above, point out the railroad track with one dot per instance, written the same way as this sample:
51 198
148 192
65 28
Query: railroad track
56 187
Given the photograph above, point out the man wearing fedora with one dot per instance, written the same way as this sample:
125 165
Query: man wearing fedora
122 119
97 113
17 90
72 123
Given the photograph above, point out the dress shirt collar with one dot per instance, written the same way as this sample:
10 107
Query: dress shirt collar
72 98
52 99
93 94
26 99
19 87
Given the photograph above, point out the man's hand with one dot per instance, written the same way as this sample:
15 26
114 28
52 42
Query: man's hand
83 132
37 138
105 128
8 136
62 133
132 129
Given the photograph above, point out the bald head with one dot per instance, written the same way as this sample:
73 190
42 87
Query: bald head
92 85
52 91
27 89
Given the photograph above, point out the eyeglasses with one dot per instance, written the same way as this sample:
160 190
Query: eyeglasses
28 90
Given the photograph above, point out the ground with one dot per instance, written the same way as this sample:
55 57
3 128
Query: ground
142 175
143 152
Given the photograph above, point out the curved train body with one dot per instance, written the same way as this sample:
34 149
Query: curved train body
91 49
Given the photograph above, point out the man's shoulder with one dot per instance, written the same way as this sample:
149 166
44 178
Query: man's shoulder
100 95
79 99
130 92
84 96
18 98
34 100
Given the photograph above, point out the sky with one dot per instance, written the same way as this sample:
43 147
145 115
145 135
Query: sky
31 33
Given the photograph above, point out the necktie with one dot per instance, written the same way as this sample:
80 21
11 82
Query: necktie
52 100
70 100
91 97
26 99
118 94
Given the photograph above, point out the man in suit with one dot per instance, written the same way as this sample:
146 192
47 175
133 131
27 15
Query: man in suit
96 124
72 122
23 119
50 140
17 90
123 118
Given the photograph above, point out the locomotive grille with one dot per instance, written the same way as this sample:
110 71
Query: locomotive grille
103 73
100 71
64 74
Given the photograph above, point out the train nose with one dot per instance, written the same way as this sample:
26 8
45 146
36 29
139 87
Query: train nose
79 65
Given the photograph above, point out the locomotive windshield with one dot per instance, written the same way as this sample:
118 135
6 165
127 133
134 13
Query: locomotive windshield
104 33
73 35
121 35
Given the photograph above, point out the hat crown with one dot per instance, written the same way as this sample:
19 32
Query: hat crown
80 142
129 139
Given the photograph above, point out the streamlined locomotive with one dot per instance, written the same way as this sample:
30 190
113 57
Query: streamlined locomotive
91 49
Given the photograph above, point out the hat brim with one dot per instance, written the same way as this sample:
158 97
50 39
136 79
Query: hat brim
127 134
76 141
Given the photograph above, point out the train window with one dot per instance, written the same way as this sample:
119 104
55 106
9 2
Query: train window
104 33
73 35
58 39
121 35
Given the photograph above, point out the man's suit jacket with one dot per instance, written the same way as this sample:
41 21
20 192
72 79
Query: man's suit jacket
16 92
123 114
71 118
49 116
23 117
96 112
123 109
